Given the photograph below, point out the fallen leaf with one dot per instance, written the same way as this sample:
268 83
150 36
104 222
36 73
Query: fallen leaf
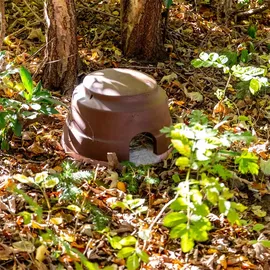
41 252
24 246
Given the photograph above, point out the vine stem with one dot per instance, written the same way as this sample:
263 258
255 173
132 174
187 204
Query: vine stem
227 83
165 207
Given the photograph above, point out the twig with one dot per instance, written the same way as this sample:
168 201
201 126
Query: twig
250 12
2 22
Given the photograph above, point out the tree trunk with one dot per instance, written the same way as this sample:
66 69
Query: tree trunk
141 29
2 22
60 70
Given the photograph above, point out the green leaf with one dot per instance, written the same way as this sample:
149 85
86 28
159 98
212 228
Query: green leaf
173 219
27 217
204 56
265 243
252 29
178 231
78 266
176 178
27 82
187 243
115 242
125 252
244 56
17 128
258 227
142 255
182 162
212 195
182 146
247 163
201 209
254 86
233 217
213 57
168 3
40 177
74 208
23 179
4 144
133 262
2 120
128 241
50 182
197 63
179 204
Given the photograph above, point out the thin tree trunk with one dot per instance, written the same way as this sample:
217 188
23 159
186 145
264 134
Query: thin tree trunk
2 22
141 29
60 70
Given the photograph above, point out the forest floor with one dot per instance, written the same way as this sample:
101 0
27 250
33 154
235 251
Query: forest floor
41 231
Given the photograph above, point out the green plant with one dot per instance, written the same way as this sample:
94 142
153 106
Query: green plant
134 176
203 153
129 250
252 77
31 102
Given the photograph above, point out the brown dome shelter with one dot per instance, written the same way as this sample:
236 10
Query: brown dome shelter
110 108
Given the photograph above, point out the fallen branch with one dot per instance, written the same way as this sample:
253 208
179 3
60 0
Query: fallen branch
2 22
253 11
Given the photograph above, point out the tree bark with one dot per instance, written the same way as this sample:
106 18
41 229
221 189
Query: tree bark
2 22
60 70
141 29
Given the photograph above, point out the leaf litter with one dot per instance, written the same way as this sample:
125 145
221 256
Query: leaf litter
36 223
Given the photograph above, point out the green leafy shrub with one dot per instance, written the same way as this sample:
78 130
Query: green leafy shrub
31 102
252 77
203 153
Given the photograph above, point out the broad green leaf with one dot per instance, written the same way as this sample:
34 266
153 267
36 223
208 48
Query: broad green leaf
213 57
74 208
254 86
2 120
182 162
40 177
78 266
252 29
244 56
183 148
23 179
178 231
238 206
258 227
233 217
133 262
247 163
17 128
143 255
198 235
111 267
212 195
173 219
125 252
50 182
176 178
27 82
134 203
201 209
187 243
168 3
179 204
265 243
27 217
128 241
115 242
204 56
197 63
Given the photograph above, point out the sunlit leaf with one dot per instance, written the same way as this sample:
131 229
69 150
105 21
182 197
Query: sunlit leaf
187 243
128 241
23 179
143 255
173 219
125 252
133 262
